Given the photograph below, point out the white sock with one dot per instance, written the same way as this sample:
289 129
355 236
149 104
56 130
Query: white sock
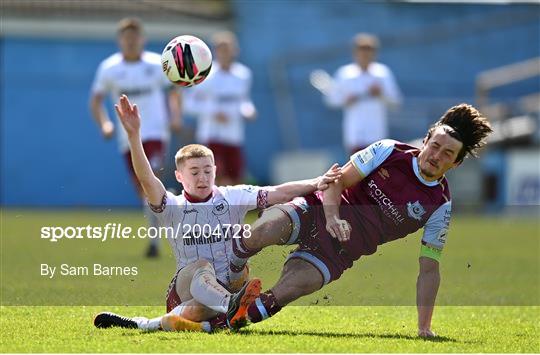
148 325
206 290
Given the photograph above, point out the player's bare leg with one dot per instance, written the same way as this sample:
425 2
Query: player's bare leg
298 278
274 227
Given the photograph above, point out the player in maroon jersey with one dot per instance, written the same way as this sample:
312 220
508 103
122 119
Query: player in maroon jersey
386 191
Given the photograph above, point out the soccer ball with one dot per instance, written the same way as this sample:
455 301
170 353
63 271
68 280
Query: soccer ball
186 60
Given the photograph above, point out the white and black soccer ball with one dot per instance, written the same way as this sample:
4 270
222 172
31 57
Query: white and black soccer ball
186 60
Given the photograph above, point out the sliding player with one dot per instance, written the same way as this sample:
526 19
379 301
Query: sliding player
386 191
208 218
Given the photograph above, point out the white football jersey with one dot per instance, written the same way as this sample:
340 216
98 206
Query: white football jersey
223 91
144 83
365 120
205 230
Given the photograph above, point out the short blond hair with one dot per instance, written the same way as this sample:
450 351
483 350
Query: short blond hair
224 37
366 40
192 151
129 23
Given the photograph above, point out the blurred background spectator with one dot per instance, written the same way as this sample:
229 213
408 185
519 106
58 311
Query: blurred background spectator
363 89
138 74
222 103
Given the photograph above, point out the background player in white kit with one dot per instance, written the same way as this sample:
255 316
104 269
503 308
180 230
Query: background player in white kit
137 73
201 288
222 103
363 89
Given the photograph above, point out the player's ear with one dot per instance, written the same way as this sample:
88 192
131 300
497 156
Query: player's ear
178 176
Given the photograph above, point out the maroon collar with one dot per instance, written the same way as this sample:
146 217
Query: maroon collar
193 199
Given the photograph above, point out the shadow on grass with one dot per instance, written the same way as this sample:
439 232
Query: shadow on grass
259 332
438 339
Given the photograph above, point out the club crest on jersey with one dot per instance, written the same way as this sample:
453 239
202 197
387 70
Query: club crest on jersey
415 210
220 207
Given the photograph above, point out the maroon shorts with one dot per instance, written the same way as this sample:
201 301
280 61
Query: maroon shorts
155 152
171 298
229 160
315 244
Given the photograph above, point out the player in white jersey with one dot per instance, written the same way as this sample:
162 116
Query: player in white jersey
222 104
364 90
204 220
137 73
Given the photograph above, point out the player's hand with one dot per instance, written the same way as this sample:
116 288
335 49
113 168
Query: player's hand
129 115
107 129
426 333
339 228
375 90
333 174
221 117
248 111
176 126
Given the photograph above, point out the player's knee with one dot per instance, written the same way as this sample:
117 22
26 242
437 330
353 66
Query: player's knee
203 267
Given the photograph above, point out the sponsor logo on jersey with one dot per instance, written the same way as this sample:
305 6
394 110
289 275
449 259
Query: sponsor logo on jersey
385 203
136 91
415 210
190 211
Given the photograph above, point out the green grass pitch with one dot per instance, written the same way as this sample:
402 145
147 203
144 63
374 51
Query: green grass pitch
488 300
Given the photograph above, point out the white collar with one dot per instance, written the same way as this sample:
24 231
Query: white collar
417 173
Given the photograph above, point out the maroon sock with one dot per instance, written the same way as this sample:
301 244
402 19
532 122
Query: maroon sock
265 306
241 250
218 322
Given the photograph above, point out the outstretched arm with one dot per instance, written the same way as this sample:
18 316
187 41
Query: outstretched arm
131 120
427 286
287 191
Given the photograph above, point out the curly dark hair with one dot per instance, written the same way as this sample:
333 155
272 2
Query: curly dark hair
466 124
